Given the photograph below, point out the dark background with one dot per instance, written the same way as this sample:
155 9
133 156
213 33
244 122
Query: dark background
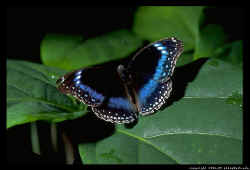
26 27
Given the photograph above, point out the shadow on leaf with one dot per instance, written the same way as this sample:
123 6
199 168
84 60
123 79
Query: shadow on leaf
181 77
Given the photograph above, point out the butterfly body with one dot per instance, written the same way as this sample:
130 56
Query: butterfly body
140 86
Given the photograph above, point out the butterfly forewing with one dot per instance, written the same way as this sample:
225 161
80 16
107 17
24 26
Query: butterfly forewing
151 69
81 85
101 88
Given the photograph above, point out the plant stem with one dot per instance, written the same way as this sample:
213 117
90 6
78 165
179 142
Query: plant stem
35 139
53 129
68 149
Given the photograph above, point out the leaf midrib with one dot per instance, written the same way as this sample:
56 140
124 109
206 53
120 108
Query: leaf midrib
28 98
197 133
145 140
34 77
33 99
206 97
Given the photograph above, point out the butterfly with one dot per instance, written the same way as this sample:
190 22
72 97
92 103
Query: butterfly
118 93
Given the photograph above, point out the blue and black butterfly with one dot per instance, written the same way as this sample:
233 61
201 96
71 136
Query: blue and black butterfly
140 86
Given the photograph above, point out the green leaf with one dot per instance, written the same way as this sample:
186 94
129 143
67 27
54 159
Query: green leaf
185 58
73 52
216 79
32 95
234 53
154 23
212 37
204 127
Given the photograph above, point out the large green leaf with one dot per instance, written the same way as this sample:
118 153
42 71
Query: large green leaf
185 58
73 52
154 23
212 37
234 53
204 127
32 95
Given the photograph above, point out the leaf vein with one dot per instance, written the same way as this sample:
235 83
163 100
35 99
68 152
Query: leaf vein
147 142
212 134
42 101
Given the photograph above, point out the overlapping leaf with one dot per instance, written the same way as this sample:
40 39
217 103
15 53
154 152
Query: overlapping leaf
211 38
32 95
154 23
73 52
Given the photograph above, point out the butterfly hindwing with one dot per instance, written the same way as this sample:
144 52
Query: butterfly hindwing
156 99
117 109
